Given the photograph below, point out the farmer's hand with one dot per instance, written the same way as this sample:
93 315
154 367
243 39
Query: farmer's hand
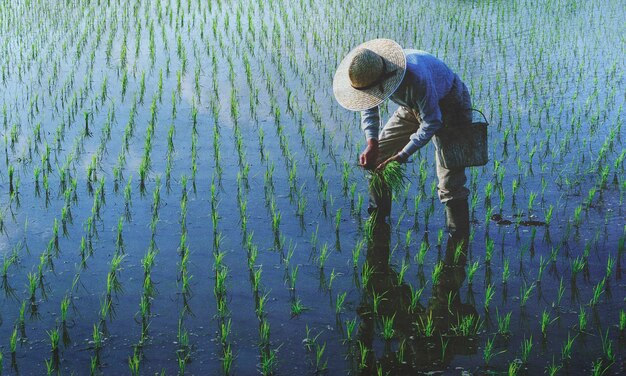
398 158
368 158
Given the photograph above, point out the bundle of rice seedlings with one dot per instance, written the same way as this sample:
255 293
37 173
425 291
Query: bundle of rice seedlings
392 176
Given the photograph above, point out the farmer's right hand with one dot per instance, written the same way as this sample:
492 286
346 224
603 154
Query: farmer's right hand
368 158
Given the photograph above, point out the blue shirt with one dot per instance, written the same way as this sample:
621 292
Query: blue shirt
426 81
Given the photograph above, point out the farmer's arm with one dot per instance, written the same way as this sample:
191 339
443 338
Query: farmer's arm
427 102
370 123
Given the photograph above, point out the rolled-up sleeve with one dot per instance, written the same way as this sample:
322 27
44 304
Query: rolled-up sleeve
370 122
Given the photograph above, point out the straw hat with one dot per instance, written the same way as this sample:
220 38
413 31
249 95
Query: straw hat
369 74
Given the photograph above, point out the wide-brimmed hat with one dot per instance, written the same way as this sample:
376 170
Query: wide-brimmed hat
369 74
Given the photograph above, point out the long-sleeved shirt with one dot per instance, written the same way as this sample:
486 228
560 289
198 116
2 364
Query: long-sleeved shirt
426 81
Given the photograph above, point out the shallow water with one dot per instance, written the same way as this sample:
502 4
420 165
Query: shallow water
548 76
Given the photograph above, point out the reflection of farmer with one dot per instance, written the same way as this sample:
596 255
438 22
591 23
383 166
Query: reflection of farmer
444 308
430 96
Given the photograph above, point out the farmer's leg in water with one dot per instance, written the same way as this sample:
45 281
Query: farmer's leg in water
393 137
455 111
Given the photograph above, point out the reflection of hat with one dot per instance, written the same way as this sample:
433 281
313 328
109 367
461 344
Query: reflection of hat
369 74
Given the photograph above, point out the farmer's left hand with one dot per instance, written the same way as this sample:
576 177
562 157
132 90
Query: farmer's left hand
398 158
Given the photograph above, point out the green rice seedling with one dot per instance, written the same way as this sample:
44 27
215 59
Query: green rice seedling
566 348
227 359
514 368
506 273
488 351
221 274
314 238
407 238
260 309
459 251
50 366
610 265
359 204
21 322
451 296
309 341
420 257
264 332
527 346
488 191
323 256
545 321
402 272
607 347
597 292
320 365
426 328
11 171
297 308
377 299
468 326
560 292
471 271
86 115
577 215
542 267
13 341
388 331
369 226
268 362
553 368
489 293
293 277
105 308
337 220
33 280
400 354
356 252
366 273
490 244
182 360
582 319
392 176
363 351
525 293
578 265
504 323
440 238
548 215
339 302
333 275
54 337
133 364
252 255
65 303
622 320
416 294
598 369
444 346
436 274
301 205
350 326
531 200
225 331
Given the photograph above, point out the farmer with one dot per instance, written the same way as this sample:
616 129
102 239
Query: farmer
430 96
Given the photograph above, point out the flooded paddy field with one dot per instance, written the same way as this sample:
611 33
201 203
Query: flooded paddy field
180 194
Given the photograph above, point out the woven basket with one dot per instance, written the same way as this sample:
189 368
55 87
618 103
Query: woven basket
463 146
